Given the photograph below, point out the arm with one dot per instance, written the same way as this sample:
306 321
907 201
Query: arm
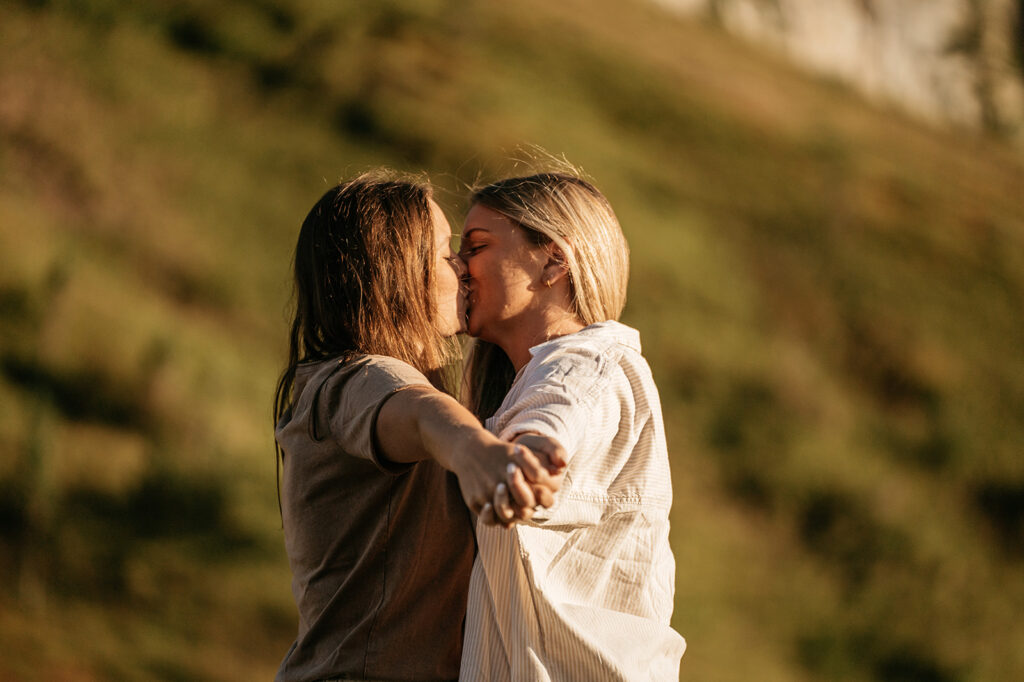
557 409
420 423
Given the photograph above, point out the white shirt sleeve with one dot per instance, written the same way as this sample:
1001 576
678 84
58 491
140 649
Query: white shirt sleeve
558 399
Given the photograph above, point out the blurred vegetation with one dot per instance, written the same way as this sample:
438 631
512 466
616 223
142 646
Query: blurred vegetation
831 297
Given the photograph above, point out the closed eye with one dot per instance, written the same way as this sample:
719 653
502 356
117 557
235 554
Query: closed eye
470 249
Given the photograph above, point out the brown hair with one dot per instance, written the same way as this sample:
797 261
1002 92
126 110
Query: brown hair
364 273
563 208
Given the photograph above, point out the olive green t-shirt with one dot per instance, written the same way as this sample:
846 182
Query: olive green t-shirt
380 552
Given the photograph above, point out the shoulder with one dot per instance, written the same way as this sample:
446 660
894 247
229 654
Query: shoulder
390 369
592 351
367 370
344 396
582 364
362 378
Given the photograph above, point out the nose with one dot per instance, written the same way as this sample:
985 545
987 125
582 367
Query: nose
461 269
458 265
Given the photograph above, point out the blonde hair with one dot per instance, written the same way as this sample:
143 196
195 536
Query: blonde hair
572 213
567 210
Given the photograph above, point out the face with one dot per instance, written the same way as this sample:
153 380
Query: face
448 304
504 272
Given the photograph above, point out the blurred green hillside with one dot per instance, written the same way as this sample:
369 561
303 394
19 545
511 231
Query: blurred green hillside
831 297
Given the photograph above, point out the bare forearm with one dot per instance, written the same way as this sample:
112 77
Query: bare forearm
422 423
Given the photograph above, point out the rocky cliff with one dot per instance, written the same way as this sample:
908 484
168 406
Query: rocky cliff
950 61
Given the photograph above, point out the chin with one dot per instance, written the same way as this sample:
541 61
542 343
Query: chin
471 327
475 329
448 328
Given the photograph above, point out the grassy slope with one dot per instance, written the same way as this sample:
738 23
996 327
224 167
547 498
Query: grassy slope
830 297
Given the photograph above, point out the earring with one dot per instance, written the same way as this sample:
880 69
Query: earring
547 283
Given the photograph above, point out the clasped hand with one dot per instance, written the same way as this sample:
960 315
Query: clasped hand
533 475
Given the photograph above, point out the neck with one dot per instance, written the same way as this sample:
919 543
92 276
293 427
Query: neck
522 335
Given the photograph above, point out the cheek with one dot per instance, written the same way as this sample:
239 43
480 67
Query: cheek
486 281
449 282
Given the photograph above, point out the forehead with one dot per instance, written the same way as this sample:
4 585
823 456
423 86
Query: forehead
442 230
486 220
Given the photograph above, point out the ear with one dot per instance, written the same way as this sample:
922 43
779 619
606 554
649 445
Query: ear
557 266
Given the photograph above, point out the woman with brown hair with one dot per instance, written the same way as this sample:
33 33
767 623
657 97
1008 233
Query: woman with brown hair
378 466
583 590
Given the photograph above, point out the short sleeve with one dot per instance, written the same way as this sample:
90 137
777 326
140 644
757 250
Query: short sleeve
351 400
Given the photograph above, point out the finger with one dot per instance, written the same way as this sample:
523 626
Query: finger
487 516
543 496
530 465
543 479
553 452
497 519
556 457
548 450
502 509
522 495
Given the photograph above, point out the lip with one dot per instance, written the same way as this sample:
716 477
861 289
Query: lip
466 289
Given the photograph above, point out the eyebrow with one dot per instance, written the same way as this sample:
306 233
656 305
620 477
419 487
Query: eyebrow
472 230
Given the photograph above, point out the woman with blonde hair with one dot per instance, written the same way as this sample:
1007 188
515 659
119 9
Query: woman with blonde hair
378 466
583 590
